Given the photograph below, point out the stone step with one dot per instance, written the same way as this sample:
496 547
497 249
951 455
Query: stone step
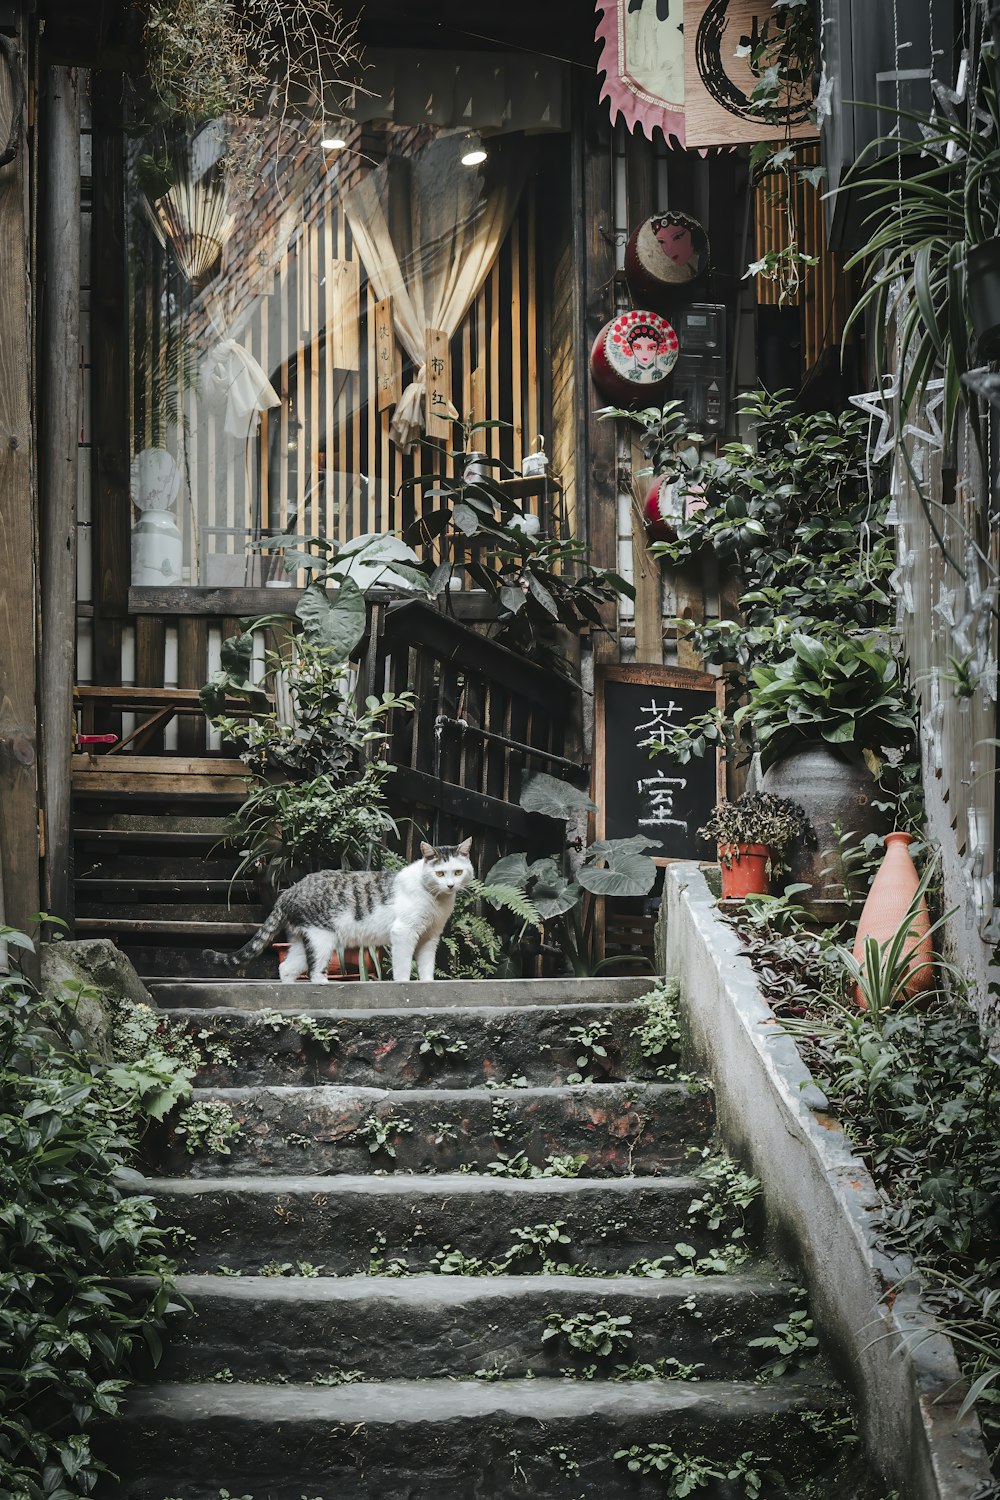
256 994
449 1440
450 1327
619 1127
344 1223
396 1048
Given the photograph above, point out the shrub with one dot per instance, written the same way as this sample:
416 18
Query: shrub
68 1234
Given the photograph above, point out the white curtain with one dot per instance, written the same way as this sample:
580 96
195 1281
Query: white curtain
428 231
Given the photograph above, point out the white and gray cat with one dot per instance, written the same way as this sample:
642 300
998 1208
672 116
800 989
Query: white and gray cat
325 913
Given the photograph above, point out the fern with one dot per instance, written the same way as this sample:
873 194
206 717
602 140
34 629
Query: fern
510 899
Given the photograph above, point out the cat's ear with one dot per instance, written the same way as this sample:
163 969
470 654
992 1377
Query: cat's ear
428 851
464 848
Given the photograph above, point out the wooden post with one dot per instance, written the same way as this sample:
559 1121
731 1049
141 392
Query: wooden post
594 254
640 189
59 448
110 447
19 837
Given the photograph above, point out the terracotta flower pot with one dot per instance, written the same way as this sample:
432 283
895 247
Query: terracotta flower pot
889 900
746 870
351 969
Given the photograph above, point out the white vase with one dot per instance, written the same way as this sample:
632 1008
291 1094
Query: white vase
157 550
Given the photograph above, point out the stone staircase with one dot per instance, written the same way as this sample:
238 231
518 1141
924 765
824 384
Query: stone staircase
382 1308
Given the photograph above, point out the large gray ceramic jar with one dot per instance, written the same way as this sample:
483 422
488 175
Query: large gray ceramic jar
834 793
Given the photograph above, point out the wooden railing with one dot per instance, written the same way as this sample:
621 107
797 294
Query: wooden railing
483 717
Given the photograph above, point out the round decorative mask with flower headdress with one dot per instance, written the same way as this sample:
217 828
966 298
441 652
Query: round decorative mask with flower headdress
633 355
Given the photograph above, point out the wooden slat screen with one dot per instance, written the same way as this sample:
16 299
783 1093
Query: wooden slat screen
322 462
822 294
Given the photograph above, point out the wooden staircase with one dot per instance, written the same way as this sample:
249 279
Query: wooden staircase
152 869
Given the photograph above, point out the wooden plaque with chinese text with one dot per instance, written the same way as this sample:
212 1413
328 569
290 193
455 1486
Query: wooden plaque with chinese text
387 381
440 413
654 796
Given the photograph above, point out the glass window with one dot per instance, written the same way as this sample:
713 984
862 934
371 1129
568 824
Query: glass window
385 277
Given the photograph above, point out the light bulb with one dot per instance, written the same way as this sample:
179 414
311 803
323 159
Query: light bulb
473 151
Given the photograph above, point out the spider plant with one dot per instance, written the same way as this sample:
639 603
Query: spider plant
936 198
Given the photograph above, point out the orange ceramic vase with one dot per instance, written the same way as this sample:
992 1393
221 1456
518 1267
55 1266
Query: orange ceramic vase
889 900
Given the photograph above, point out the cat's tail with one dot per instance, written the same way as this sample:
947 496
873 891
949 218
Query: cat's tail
272 926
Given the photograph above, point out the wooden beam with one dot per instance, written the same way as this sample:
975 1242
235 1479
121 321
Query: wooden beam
19 837
59 454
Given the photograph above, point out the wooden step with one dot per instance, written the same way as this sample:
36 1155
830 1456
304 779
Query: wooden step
165 927
159 776
165 827
124 888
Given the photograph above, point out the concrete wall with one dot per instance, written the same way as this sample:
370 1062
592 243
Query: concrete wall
823 1208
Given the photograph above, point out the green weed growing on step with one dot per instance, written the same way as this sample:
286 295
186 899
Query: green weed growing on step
563 1460
660 1369
314 1029
224 1376
451 1262
659 1032
592 1053
294 1138
518 1166
726 1190
228 1271
439 1045
681 1473
536 1239
793 1342
290 1268
516 1081
270 1020
381 1135
501 1125
208 1125
748 1470
601 1333
338 1376
444 1132
379 1264
490 1373
155 1060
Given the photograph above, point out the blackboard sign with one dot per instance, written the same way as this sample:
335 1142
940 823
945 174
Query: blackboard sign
657 797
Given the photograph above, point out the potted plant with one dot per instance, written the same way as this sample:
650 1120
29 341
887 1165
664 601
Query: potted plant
753 835
315 801
823 717
563 897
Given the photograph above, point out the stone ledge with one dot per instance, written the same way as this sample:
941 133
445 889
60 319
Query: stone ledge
822 1202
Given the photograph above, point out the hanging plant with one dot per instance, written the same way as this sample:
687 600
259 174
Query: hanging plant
268 68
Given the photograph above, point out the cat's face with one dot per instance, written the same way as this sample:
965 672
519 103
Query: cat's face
448 868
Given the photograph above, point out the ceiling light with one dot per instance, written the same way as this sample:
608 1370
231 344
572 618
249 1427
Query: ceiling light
334 137
473 151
